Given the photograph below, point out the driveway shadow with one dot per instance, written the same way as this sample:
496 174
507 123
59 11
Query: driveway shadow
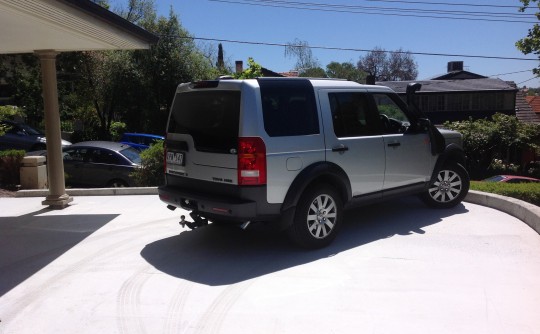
221 256
30 242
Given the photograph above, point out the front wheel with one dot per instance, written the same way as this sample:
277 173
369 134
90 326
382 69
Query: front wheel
449 188
317 218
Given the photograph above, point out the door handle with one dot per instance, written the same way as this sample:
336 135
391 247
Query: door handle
340 148
394 144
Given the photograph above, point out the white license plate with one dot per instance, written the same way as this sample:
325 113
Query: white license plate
176 158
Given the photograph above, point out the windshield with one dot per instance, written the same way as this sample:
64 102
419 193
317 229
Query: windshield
132 154
30 130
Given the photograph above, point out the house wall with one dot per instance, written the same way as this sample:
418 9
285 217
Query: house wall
448 106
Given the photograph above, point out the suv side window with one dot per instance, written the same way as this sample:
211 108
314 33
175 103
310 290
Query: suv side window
352 116
289 107
393 118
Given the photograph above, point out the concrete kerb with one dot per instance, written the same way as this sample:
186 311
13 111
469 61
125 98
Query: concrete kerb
92 192
528 213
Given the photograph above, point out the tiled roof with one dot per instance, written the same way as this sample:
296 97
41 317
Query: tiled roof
534 102
524 112
436 86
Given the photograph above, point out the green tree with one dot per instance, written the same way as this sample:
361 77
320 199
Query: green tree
531 43
345 71
6 113
254 70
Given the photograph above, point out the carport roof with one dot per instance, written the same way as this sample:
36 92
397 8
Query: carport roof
66 25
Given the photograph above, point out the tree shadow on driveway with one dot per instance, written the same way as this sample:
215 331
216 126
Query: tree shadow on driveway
222 256
30 242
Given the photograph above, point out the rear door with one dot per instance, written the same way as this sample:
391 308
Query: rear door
353 138
202 134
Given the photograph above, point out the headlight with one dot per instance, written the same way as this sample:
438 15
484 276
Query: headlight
42 140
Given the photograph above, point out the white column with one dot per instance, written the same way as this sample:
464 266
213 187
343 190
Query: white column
57 197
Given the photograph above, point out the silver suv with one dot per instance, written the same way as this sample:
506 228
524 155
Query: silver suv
295 152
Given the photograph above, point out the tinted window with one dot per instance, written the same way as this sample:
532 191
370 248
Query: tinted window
289 107
351 115
101 156
210 117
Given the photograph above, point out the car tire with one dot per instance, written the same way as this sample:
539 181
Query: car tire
117 183
449 188
317 217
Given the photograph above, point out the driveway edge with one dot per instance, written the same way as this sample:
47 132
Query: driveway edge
527 212
92 192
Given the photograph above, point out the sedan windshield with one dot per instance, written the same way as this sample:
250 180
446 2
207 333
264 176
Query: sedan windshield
132 154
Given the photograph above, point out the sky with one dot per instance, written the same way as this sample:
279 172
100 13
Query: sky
334 25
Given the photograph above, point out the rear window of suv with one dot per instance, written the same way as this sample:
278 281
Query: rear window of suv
210 117
289 107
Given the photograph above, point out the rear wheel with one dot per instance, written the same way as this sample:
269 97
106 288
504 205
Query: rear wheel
449 188
317 218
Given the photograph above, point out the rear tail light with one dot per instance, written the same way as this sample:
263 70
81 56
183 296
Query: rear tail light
251 161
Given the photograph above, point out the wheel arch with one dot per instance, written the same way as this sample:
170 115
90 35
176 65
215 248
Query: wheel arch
321 172
452 153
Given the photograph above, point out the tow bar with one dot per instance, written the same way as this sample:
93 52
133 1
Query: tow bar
197 222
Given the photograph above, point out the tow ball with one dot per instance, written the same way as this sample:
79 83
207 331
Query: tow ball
197 222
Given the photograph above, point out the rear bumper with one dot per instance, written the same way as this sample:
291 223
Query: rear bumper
251 207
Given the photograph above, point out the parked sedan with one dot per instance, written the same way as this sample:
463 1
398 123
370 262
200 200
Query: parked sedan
21 136
101 164
511 179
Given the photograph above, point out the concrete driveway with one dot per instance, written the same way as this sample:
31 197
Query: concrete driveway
122 264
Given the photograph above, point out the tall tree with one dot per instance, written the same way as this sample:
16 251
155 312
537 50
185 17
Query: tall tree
396 65
220 62
305 61
531 43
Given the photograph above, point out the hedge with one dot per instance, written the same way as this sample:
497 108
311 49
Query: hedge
528 192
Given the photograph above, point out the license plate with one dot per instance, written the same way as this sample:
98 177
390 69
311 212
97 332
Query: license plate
176 158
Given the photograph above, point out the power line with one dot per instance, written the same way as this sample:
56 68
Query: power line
436 11
496 75
382 11
446 3
527 80
345 49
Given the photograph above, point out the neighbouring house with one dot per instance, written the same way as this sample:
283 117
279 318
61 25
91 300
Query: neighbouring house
460 95
534 103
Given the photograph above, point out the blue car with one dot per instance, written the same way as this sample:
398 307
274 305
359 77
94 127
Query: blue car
140 141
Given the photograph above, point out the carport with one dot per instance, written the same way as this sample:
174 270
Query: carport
47 28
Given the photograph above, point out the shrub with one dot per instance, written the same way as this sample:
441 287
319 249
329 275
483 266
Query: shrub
117 130
151 171
10 163
528 192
